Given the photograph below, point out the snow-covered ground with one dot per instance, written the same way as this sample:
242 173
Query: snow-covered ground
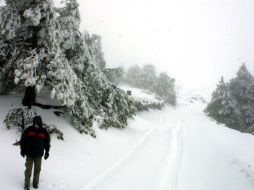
173 149
141 94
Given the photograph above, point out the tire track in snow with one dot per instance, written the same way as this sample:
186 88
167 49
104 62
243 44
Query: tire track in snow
169 176
119 162
166 127
124 158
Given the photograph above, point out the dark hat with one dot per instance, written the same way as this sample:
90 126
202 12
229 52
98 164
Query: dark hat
37 120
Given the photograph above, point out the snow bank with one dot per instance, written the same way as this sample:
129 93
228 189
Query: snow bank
141 94
144 99
215 157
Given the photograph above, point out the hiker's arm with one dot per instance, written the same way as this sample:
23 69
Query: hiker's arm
47 143
22 142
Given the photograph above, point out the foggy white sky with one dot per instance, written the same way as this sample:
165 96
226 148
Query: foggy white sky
195 41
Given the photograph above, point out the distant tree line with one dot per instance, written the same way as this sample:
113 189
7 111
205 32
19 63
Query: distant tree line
233 103
146 78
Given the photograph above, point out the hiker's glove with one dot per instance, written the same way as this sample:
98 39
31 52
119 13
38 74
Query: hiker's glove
46 155
22 154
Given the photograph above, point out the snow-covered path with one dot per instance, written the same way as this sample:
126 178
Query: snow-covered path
170 149
154 160
181 149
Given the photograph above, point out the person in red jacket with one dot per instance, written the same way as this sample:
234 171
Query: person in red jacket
34 141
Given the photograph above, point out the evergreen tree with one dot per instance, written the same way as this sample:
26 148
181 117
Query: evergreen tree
242 91
223 108
146 78
165 88
241 86
95 48
41 46
141 77
133 76
233 103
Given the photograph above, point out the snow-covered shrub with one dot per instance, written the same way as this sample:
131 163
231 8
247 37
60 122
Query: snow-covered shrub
20 119
146 105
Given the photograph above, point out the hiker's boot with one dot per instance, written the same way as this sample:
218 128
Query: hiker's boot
35 186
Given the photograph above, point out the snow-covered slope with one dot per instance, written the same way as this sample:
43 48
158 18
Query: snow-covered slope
174 148
214 157
141 94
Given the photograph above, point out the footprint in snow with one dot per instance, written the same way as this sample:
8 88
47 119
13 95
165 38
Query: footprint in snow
59 187
247 172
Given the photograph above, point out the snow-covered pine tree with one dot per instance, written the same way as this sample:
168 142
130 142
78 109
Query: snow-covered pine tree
148 77
133 76
95 47
141 77
165 88
145 78
223 107
233 103
41 46
241 88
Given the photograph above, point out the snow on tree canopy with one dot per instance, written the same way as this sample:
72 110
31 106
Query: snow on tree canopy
233 103
41 45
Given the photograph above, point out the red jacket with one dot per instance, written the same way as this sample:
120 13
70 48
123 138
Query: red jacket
34 141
